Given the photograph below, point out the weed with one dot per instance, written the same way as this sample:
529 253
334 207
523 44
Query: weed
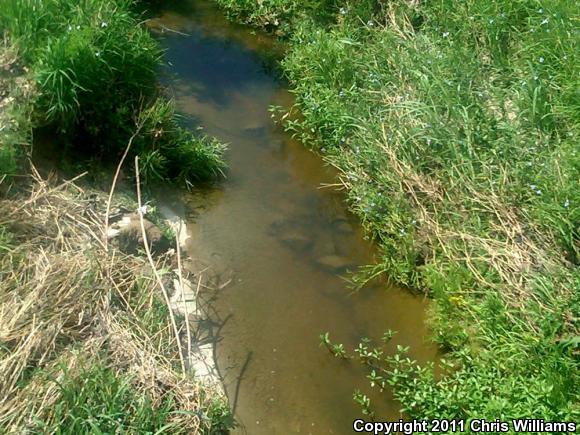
336 349
364 402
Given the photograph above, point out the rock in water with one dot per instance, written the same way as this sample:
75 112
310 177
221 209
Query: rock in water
334 263
325 246
343 226
292 236
297 242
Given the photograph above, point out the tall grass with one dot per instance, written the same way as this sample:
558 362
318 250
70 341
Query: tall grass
95 69
455 128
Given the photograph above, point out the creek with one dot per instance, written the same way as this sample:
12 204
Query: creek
275 244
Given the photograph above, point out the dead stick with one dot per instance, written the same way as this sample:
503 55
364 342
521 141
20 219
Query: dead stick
197 295
152 263
113 185
185 309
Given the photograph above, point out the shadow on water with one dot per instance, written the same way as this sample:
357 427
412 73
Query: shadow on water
281 242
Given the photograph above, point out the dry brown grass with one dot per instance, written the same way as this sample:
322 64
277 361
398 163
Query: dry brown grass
65 300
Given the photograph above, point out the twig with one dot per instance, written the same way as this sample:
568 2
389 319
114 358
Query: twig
166 28
113 185
170 30
48 192
197 294
152 263
185 309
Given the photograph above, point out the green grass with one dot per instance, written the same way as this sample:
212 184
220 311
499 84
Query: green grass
9 158
95 72
455 130
6 240
97 400
284 16
167 148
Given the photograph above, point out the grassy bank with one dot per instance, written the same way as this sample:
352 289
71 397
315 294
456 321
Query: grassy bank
86 343
455 130
94 70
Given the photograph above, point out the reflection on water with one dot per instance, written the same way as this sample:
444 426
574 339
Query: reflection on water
280 241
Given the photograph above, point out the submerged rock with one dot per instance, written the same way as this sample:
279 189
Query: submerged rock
325 246
297 242
292 236
255 131
334 263
343 226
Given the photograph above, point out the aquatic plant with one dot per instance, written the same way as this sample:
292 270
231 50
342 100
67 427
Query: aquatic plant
336 349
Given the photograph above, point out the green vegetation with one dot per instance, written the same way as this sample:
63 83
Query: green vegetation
95 70
97 400
454 126
15 91
284 16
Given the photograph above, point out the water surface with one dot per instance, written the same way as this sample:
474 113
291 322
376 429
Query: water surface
277 242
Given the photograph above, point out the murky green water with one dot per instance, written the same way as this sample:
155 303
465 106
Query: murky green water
278 241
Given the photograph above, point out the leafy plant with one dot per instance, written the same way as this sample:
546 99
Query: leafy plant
336 349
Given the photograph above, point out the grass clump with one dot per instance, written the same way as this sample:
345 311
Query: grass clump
455 130
284 16
96 400
95 72
166 148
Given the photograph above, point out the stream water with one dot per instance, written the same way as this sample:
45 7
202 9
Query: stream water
276 244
